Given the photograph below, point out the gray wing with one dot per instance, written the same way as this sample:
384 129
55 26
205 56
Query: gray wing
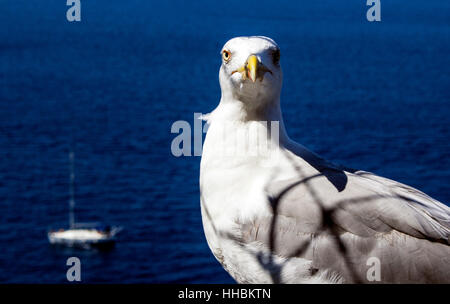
339 230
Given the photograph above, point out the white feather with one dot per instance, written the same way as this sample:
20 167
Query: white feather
368 215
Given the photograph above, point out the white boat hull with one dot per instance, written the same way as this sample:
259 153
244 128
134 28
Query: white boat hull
81 238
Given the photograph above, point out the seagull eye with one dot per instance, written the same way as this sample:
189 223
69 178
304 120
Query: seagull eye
226 55
276 57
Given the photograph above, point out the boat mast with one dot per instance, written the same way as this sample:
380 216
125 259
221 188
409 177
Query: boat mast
72 199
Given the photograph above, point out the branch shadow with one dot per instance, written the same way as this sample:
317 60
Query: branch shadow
328 225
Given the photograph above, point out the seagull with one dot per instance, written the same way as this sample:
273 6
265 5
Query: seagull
275 212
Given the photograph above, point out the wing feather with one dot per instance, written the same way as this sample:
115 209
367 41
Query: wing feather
339 231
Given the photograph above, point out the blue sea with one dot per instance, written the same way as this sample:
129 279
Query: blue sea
368 95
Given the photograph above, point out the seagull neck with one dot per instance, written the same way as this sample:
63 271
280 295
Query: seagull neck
237 110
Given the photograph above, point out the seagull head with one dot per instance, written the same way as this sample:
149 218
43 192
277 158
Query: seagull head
250 71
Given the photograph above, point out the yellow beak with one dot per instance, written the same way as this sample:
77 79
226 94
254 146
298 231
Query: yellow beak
252 67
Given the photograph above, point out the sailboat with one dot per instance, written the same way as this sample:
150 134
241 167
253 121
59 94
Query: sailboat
85 235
